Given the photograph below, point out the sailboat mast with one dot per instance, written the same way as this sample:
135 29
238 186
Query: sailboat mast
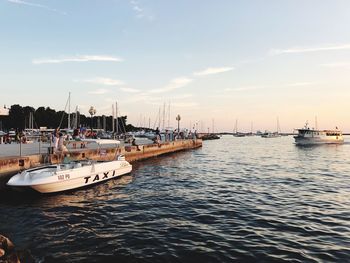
76 118
68 126
316 125
169 114
164 116
113 118
159 118
116 116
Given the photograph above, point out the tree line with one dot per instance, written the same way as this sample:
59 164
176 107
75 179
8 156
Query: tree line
20 118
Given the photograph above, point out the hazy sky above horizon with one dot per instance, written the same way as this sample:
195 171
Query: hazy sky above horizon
252 61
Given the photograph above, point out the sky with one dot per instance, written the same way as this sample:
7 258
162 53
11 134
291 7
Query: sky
214 62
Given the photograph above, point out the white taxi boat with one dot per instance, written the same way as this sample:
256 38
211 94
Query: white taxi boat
62 177
67 176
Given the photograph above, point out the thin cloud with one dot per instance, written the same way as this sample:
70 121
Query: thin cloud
144 97
130 90
337 65
105 81
300 84
245 88
139 11
82 58
210 71
296 50
185 104
181 96
174 84
20 2
98 92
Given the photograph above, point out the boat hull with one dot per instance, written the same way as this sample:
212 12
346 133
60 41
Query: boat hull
57 181
317 141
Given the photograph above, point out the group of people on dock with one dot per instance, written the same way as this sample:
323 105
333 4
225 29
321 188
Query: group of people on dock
15 137
169 135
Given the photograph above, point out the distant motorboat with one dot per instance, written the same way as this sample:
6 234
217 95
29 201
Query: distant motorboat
209 136
307 136
71 175
239 134
268 134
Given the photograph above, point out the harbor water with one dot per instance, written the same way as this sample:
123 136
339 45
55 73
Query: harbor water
237 199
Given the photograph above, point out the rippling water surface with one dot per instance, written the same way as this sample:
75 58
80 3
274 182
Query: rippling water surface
235 199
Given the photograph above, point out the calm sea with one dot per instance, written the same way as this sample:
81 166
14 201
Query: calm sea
234 200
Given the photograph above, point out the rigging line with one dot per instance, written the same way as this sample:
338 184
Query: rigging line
64 111
122 121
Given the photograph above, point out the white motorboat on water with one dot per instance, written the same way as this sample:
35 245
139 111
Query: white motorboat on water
67 176
307 136
268 134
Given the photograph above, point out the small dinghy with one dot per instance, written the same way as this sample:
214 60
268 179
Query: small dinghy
62 177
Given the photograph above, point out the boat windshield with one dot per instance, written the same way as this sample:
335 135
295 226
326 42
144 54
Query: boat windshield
73 165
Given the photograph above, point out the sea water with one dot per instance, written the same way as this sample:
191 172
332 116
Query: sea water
237 199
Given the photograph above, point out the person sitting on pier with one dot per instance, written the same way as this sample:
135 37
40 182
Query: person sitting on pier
133 143
76 134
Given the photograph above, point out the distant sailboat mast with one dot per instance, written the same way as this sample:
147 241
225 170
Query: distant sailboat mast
68 112
113 118
169 114
116 117
278 126
163 117
159 119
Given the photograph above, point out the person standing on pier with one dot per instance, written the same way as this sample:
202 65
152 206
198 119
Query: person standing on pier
55 138
61 147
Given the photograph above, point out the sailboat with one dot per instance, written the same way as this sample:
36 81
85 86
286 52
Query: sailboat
236 133
251 130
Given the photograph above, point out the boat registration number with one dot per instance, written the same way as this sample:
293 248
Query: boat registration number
63 176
